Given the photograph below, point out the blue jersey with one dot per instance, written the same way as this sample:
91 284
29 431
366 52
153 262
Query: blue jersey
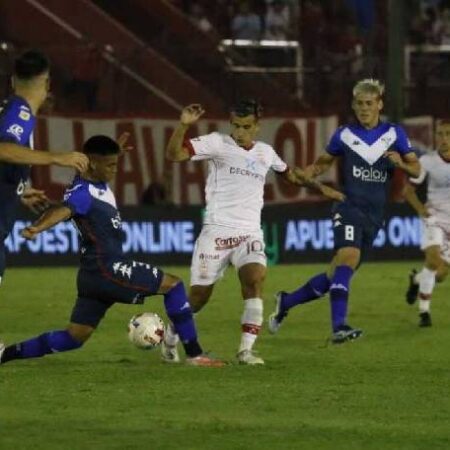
98 221
106 276
366 173
16 125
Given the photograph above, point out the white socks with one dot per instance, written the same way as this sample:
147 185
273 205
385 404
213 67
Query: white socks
251 321
427 280
171 337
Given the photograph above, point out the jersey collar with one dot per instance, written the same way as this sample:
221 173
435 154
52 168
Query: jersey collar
247 148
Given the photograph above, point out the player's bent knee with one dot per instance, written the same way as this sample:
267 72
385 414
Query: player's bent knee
252 278
347 257
433 259
433 264
80 333
168 282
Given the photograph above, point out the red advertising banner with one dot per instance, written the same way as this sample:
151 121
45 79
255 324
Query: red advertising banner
298 141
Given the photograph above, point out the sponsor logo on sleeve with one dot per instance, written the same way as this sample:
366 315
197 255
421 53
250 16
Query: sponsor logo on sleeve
16 130
24 115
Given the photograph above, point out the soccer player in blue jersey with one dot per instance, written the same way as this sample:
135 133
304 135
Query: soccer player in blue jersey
369 151
17 121
105 275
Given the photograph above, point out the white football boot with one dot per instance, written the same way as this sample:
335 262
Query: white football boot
273 322
249 358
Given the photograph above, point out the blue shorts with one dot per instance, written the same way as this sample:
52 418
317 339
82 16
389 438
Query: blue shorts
352 228
118 281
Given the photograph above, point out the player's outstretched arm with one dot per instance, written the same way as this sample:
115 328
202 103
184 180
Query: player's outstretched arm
35 200
320 166
298 176
48 219
410 194
175 150
408 163
17 154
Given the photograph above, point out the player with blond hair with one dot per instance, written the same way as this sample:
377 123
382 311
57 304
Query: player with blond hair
369 150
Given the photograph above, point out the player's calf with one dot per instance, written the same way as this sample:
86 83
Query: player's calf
179 312
45 344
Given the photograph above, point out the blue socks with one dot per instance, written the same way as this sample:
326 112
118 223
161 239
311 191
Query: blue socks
339 291
318 286
315 288
47 343
179 312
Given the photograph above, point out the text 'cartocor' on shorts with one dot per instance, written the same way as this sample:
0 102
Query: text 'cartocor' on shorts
219 246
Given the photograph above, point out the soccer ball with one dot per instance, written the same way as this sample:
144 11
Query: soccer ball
146 330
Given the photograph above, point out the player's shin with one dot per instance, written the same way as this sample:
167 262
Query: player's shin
339 292
251 321
315 288
46 343
180 313
427 280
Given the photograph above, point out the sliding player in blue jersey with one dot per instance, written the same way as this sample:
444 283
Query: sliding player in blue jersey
106 275
17 121
369 151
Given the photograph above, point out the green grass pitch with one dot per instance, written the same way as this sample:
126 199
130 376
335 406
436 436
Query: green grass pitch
389 390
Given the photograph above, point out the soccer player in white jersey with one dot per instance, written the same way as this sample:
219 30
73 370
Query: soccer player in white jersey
435 214
231 233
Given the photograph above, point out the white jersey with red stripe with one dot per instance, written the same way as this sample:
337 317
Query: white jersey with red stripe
437 170
236 177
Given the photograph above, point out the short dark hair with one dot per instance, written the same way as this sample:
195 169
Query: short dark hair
30 64
101 145
247 107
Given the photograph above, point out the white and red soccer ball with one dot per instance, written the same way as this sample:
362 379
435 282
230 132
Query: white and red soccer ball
146 330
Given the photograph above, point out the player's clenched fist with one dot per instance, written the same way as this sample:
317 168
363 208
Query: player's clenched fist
191 114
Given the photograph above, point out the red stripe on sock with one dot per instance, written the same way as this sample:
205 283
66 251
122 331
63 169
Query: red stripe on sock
250 328
424 296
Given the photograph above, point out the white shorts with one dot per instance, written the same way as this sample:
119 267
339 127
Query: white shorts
217 247
435 232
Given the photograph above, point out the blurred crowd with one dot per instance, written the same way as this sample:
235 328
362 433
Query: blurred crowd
333 31
340 40
431 23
